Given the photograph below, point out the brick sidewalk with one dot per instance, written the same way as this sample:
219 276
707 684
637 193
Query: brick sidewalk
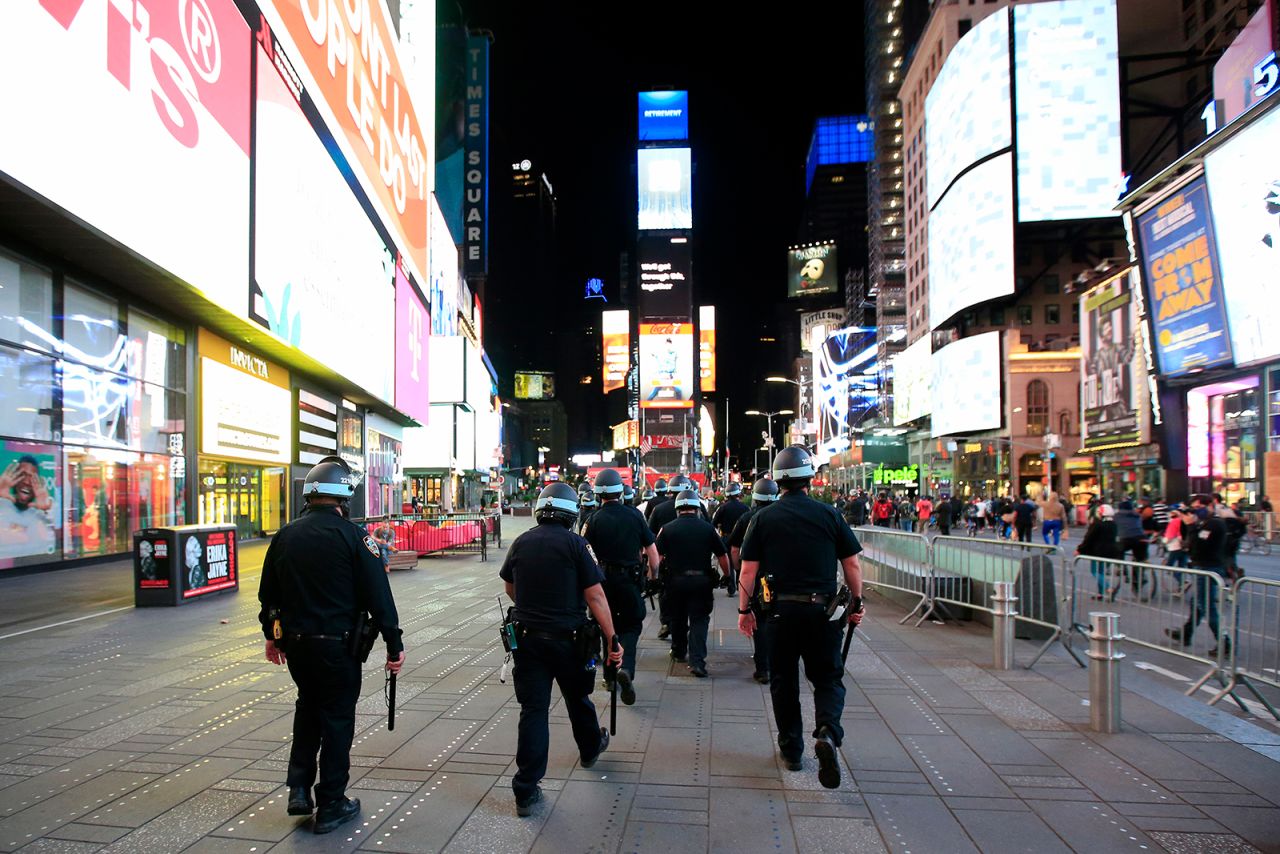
164 730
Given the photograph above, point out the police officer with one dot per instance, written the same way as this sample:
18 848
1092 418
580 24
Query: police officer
763 493
619 537
796 544
657 499
587 504
666 511
663 507
320 574
726 517
553 580
687 544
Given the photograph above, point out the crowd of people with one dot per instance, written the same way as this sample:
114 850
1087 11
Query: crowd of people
1006 516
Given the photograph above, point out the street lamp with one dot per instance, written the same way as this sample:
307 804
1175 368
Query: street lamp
769 417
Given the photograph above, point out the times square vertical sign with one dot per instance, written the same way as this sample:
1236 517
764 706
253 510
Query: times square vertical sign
475 207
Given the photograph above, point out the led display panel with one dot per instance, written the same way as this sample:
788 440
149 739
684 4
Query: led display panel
966 385
1067 76
967 111
913 382
1110 378
443 278
812 270
707 347
665 178
665 277
663 116
666 366
535 385
314 247
412 329
845 386
615 330
1244 194
142 132
971 241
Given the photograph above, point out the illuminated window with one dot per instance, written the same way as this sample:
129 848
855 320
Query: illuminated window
1037 408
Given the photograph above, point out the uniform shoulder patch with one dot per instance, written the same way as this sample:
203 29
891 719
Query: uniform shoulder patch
592 552
372 546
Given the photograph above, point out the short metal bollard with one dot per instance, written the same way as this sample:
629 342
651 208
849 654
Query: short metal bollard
1104 672
1004 610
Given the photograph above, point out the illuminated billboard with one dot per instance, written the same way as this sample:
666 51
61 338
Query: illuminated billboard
967 111
314 247
663 116
1067 76
707 348
412 330
913 382
971 241
1247 71
135 130
535 385
845 387
615 329
812 271
665 276
442 290
966 385
828 318
665 177
1184 287
666 366
1244 194
1111 381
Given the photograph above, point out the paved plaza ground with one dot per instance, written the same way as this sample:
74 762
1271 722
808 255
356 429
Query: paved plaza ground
163 730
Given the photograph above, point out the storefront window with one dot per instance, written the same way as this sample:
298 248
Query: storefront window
99 507
157 351
27 382
26 304
95 406
247 496
91 329
1273 411
30 500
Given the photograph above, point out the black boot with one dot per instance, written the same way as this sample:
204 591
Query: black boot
300 802
336 813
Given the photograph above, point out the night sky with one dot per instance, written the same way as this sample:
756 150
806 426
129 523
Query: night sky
564 80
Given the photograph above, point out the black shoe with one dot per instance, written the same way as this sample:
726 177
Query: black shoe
300 802
524 808
761 677
828 763
626 689
680 658
336 813
698 670
664 632
1179 636
604 743
790 764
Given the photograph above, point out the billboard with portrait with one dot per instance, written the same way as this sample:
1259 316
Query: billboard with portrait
971 241
29 501
1067 78
315 247
913 381
665 177
845 386
1244 195
966 385
812 270
208 561
1109 375
967 111
663 116
1184 287
665 277
140 131
666 366
535 385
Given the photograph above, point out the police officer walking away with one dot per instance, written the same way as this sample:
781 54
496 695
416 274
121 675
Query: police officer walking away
553 580
657 499
321 574
687 544
796 544
587 502
726 517
618 536
763 493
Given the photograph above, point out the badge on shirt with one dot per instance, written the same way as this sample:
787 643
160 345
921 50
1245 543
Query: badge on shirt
371 546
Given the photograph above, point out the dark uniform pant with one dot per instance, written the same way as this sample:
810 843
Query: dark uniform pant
538 662
799 630
324 717
627 607
689 603
760 641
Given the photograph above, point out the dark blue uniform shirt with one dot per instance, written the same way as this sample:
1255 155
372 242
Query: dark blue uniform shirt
617 533
799 541
687 544
728 515
550 566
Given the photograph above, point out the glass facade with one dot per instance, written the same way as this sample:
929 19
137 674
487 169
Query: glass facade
1224 439
92 418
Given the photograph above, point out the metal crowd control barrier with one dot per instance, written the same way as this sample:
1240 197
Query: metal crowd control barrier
898 560
441 533
1254 656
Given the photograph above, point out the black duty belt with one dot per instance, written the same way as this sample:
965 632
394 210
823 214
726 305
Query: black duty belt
809 598
342 637
551 636
620 567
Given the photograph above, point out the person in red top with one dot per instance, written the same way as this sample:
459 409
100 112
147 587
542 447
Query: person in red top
924 511
882 511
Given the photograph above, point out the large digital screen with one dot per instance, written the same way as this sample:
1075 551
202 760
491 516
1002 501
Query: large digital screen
971 241
665 277
535 385
967 111
666 366
665 178
966 385
707 347
444 276
812 270
1244 194
845 386
663 116
413 326
243 417
615 331
1109 376
913 382
1243 75
446 369
1067 76
136 130
314 247
1184 287
828 318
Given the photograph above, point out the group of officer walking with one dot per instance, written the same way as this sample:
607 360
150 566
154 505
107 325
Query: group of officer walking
325 597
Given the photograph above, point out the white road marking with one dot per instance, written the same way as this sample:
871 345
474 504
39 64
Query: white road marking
1146 665
67 622
1256 709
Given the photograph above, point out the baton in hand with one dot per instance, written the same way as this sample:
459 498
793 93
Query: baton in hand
391 702
848 639
611 673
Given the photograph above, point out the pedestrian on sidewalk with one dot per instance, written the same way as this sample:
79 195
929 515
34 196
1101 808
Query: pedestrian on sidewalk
687 545
1100 541
796 545
1175 546
763 494
1053 514
906 514
322 571
1206 535
881 511
552 578
924 512
1024 518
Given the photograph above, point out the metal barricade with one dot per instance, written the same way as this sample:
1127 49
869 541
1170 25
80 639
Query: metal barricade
967 570
1254 657
1259 533
439 533
901 561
